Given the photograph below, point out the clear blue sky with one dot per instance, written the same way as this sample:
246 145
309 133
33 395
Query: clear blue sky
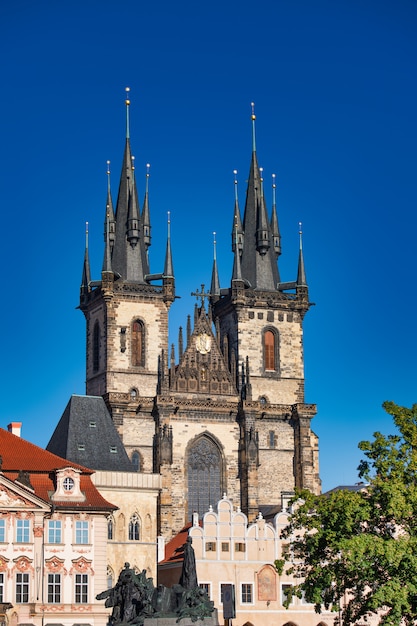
334 83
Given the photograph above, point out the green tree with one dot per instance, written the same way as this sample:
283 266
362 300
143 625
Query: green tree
355 552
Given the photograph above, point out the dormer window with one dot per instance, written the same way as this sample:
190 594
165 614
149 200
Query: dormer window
68 484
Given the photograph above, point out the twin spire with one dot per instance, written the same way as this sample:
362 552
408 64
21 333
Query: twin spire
127 230
256 241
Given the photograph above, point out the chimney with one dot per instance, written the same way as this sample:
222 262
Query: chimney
15 428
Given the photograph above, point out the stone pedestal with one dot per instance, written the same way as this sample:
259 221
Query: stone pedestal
185 621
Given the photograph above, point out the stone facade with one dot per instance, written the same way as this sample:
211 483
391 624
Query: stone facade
227 412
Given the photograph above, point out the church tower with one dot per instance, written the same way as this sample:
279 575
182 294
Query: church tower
224 412
127 310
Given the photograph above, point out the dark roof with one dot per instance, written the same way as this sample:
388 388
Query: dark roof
356 487
19 456
86 434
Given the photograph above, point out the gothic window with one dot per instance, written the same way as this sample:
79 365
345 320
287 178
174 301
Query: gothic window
205 476
96 347
134 528
110 577
270 346
138 343
110 527
136 461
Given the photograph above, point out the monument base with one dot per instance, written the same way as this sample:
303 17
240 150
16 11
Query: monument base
185 621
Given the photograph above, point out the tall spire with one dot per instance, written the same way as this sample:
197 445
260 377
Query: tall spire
169 268
253 117
258 260
129 258
146 221
237 221
86 275
301 274
215 283
127 103
274 220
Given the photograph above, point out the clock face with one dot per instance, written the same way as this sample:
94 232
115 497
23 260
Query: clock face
203 343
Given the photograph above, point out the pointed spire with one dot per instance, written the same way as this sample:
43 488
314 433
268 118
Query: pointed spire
132 233
253 117
168 269
127 103
129 258
262 231
258 261
274 220
237 220
215 283
301 275
146 221
180 343
86 275
188 330
109 219
237 271
107 248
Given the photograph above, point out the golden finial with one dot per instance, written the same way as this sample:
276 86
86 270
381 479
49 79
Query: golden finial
133 162
108 167
300 232
253 111
127 101
214 245
273 181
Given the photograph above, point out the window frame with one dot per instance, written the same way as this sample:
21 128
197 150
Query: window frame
270 353
2 530
282 594
54 588
137 343
22 531
54 531
249 587
81 584
134 528
22 589
2 587
82 532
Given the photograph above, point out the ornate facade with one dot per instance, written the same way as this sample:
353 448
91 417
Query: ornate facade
228 414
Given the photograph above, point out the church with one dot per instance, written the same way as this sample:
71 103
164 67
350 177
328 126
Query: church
223 411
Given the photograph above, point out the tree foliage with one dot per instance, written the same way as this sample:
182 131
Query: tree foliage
355 552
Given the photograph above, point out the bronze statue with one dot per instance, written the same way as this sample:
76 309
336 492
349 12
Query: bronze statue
134 597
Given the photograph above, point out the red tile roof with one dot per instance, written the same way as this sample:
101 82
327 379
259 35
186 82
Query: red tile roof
41 465
174 550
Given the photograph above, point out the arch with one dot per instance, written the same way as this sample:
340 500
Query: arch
134 528
270 345
121 523
96 346
110 527
110 577
136 461
138 343
205 470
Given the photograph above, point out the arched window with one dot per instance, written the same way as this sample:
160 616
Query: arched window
110 577
134 528
138 343
205 476
136 461
110 527
270 350
96 347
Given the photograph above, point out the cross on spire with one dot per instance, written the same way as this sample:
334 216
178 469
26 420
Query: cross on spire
201 294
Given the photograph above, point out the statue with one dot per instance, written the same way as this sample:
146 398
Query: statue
188 578
134 597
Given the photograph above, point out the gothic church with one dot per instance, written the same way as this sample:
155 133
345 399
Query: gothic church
227 413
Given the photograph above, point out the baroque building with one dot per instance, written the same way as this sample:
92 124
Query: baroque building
225 412
53 529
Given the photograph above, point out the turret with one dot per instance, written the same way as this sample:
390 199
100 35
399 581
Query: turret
237 228
274 220
215 282
146 221
168 279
